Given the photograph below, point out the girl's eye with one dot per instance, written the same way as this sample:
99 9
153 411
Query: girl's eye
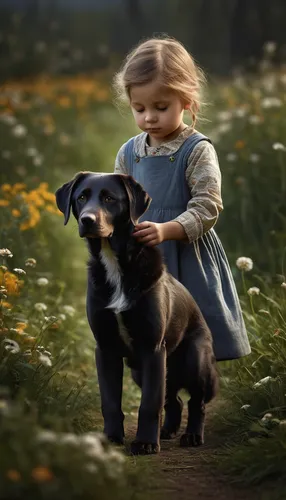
81 198
163 109
108 199
139 110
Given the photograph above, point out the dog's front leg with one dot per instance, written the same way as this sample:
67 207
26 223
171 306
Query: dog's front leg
152 402
110 374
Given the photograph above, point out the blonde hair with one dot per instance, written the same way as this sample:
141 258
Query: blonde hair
166 60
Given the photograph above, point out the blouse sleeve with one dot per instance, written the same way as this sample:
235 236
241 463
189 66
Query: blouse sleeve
120 167
204 180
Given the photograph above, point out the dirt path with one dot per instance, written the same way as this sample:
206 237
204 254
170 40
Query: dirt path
184 474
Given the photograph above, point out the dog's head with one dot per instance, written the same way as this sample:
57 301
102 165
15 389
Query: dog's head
100 201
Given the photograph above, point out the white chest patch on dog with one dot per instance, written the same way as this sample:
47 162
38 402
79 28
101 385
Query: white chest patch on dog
118 301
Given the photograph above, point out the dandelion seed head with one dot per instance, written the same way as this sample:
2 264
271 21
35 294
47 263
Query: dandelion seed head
254 290
244 263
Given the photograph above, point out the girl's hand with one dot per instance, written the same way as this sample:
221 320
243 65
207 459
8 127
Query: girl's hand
149 233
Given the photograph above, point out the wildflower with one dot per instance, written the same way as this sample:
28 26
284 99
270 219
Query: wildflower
39 306
18 270
8 119
42 281
5 252
263 381
245 407
277 146
30 262
254 158
240 112
254 119
42 474
19 131
270 47
69 438
271 102
266 417
62 317
283 285
224 116
38 160
253 291
93 445
223 128
231 157
239 144
282 423
69 310
244 263
11 346
13 475
31 152
46 436
45 360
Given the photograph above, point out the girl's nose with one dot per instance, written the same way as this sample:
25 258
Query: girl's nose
150 118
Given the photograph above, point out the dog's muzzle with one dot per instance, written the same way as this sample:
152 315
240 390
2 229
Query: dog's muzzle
87 222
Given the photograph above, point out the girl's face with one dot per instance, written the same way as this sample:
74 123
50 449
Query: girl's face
158 111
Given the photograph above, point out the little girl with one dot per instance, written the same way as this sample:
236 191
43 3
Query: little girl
178 167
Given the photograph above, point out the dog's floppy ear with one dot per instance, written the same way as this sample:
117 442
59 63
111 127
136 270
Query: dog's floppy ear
64 195
139 200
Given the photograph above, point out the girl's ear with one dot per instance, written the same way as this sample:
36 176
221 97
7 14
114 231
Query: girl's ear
187 106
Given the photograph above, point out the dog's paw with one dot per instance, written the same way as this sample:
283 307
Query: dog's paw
140 448
166 434
115 440
191 439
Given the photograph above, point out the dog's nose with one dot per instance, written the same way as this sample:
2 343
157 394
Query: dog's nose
87 219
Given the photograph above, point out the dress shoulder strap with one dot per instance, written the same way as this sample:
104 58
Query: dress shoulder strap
129 155
188 145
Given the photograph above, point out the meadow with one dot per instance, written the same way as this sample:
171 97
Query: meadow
51 128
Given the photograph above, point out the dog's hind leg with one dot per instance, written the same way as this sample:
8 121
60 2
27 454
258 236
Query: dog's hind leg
201 384
173 415
110 373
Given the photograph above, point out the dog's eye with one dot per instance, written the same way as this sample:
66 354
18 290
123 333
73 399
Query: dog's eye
108 199
81 198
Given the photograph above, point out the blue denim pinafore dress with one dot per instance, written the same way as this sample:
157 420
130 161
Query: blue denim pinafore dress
201 266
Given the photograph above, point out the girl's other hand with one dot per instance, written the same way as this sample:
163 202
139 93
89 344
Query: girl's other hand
149 233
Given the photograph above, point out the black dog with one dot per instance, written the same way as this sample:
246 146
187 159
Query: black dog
138 311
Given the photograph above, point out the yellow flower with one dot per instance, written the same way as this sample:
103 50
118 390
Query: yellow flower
4 203
239 144
13 475
6 187
11 283
7 305
20 327
15 212
42 474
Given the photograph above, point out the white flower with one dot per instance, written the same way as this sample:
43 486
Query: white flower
231 156
283 79
266 417
69 438
30 262
282 423
116 456
240 112
42 282
90 467
8 119
223 128
271 102
45 360
19 131
6 154
39 306
245 407
31 152
277 146
69 310
5 252
263 381
224 116
62 317
244 263
283 285
38 160
46 436
253 291
18 270
254 119
254 158
11 346
269 47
